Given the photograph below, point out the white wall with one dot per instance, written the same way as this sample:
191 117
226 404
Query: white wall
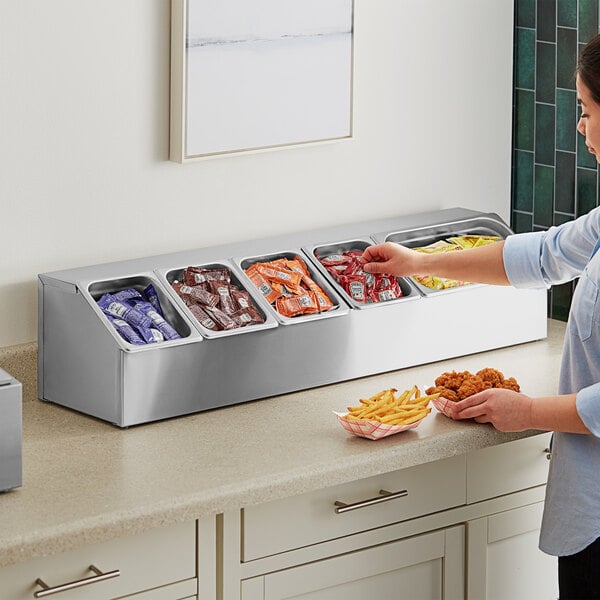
84 138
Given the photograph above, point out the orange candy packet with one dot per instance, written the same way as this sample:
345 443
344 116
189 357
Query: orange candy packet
305 304
278 274
262 284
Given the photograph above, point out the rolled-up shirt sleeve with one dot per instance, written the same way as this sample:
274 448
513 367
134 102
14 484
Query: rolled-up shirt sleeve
521 255
557 255
587 402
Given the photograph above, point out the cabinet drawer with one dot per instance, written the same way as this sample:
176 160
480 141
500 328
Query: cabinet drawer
507 468
144 561
184 590
311 518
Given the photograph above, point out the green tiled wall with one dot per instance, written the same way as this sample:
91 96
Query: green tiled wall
555 178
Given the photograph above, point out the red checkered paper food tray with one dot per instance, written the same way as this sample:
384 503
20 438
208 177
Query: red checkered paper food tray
442 405
372 430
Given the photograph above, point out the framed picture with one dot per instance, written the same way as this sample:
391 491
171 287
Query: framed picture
255 75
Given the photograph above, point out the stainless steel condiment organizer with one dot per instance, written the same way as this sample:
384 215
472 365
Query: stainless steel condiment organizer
84 364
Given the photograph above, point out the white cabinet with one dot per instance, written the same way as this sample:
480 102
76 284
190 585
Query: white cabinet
425 567
504 560
161 562
347 541
400 534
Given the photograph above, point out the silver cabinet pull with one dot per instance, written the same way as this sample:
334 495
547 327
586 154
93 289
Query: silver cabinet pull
384 496
99 576
548 453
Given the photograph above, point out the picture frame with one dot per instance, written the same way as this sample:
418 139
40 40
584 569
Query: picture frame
257 75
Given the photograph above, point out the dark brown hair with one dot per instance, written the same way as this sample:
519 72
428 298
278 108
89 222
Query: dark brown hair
588 67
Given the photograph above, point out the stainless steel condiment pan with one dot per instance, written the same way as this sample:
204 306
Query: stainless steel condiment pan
429 234
169 276
358 245
85 365
339 307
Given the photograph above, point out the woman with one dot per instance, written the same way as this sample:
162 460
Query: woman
571 522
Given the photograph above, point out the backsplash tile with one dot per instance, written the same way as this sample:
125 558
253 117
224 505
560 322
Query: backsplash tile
566 13
523 181
554 177
566 58
564 192
546 20
566 107
588 18
545 116
524 119
525 10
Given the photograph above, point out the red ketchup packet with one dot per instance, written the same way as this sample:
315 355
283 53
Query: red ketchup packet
362 287
355 286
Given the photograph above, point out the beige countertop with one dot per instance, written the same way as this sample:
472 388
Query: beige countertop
86 481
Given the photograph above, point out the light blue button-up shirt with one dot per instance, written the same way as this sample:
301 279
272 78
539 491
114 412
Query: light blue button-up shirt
572 509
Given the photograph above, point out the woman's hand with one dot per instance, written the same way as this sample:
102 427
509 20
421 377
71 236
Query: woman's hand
484 264
505 409
391 259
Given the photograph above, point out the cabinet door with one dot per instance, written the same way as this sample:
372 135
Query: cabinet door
426 567
504 560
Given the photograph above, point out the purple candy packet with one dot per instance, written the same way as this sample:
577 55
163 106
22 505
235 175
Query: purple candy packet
126 331
113 307
150 334
158 321
152 296
126 295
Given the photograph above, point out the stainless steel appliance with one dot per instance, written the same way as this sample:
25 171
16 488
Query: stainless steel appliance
85 365
11 431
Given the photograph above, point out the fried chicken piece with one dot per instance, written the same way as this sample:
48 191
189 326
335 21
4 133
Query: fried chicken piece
471 386
455 386
452 380
444 392
494 376
510 384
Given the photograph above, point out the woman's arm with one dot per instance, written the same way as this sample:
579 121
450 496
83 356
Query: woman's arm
480 265
507 410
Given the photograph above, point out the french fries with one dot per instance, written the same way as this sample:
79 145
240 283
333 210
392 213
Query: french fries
387 407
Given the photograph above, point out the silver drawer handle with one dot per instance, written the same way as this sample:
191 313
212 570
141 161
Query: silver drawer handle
99 576
384 496
548 453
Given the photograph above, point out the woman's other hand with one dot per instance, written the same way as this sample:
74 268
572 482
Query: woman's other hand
505 409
